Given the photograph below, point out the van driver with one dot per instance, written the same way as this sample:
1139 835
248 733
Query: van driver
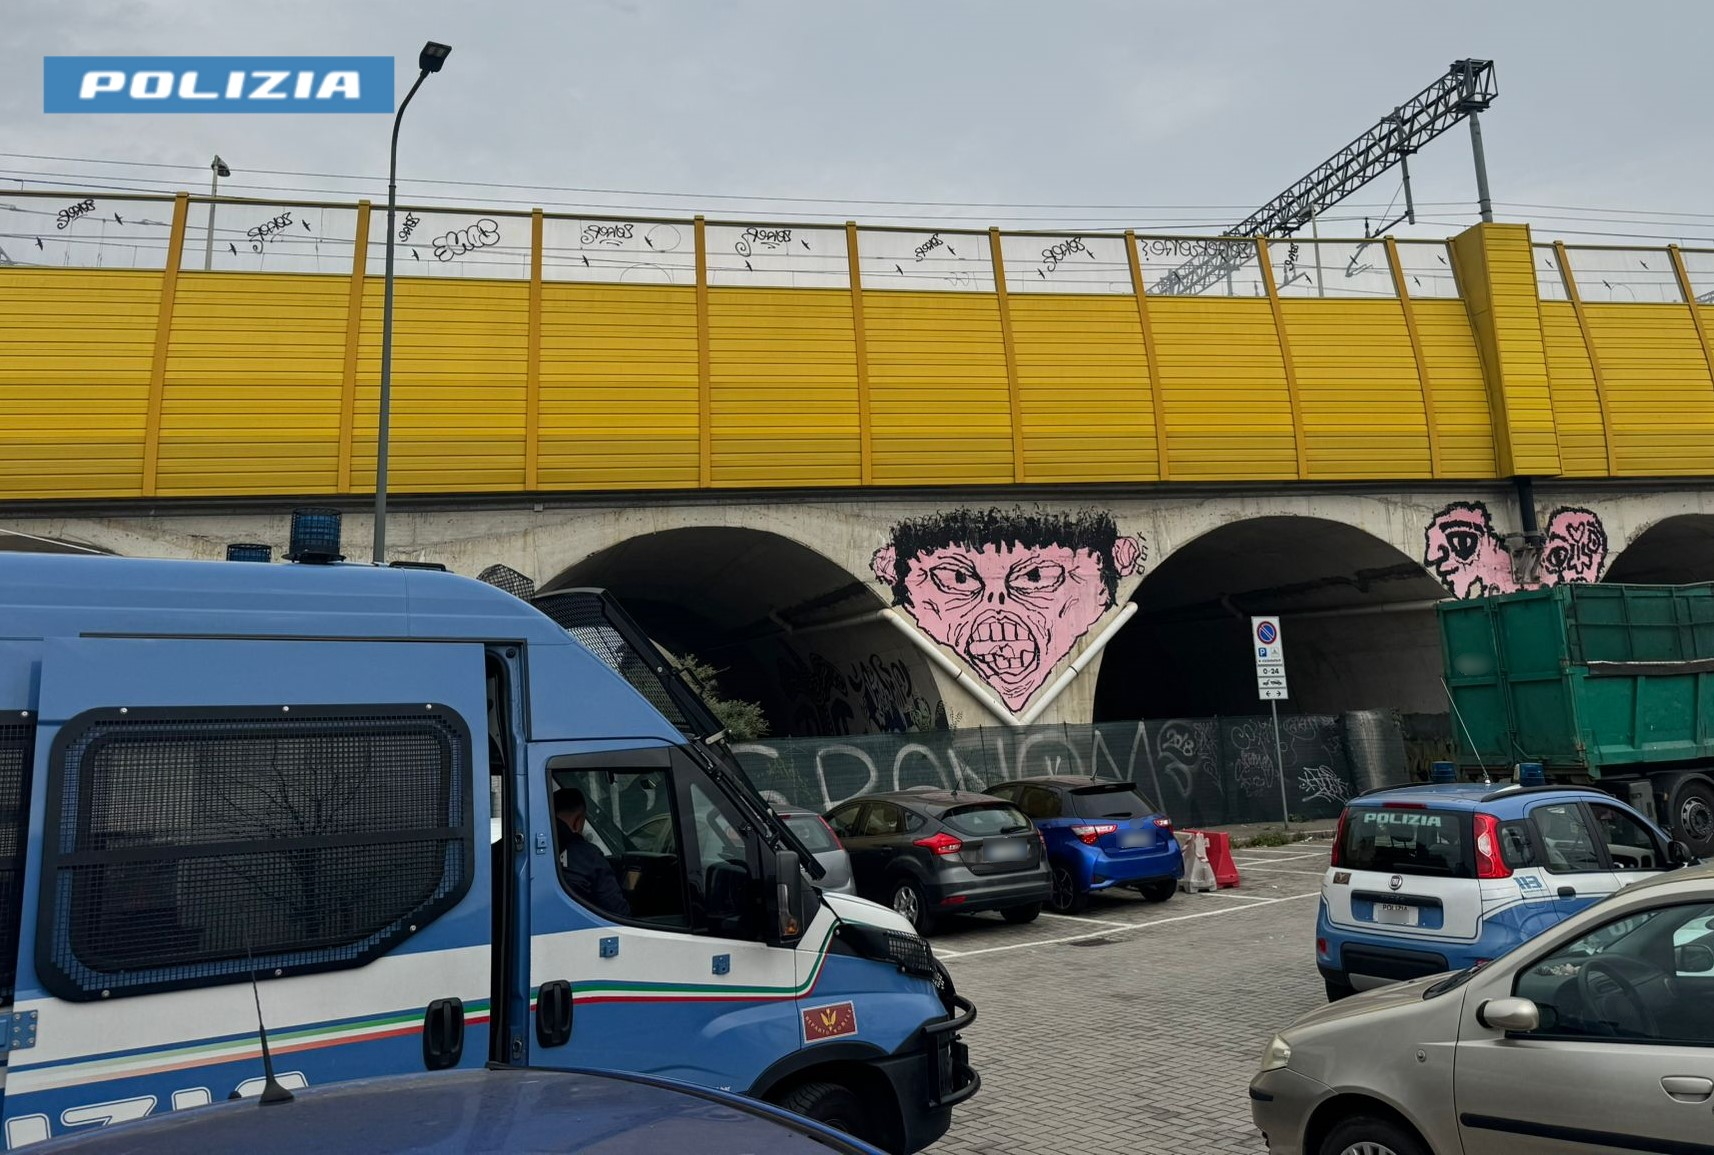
584 869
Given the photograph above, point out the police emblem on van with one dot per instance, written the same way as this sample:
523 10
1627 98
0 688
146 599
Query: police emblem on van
1395 882
829 1022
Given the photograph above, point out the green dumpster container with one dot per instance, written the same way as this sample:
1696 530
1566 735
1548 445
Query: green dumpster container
1582 678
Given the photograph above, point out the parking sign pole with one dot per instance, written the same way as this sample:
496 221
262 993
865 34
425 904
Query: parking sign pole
1279 757
1266 637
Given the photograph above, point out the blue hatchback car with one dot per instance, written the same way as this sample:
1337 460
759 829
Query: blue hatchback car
1425 879
1099 834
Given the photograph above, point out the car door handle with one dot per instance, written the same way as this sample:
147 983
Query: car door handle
1568 892
1688 1088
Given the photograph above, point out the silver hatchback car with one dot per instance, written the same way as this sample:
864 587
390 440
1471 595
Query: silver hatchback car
1596 1035
818 838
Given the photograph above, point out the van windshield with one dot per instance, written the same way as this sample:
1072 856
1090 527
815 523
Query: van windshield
1398 840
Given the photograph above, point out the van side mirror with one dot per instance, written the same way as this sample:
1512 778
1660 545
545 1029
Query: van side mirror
1508 1015
1679 854
789 904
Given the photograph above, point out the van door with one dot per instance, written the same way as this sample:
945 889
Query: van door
233 822
666 972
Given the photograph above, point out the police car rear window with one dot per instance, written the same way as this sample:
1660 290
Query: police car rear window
1408 841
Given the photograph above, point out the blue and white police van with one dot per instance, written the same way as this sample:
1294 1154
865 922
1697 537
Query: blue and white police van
1440 877
317 797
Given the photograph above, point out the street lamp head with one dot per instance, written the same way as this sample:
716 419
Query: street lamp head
219 167
433 56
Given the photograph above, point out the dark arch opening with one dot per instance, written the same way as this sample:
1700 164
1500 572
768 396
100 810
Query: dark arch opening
1676 551
1357 619
782 625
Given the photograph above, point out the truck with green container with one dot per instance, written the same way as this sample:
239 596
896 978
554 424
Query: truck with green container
1609 685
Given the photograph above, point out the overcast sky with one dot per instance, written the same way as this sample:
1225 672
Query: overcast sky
1166 115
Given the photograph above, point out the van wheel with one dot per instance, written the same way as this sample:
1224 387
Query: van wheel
1021 914
1370 1135
1066 898
1158 889
909 902
1693 818
829 1103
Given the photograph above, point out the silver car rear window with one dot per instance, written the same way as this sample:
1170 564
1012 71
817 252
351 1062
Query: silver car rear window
812 832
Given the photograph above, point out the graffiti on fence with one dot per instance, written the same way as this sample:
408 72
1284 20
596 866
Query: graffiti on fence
1320 783
1464 550
1011 592
1191 768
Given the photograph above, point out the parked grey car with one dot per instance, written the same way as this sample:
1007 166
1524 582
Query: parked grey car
928 853
818 838
1596 1035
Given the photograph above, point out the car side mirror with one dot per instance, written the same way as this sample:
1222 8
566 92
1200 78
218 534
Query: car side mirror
1508 1015
1693 958
1679 854
789 900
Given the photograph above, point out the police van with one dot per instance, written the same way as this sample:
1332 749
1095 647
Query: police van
1425 879
314 798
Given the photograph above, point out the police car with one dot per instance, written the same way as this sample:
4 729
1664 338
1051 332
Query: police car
1425 879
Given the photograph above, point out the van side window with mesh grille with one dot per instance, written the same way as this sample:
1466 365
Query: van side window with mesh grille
183 844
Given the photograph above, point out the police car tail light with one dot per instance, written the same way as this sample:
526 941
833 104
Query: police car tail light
1489 864
1088 834
941 844
1337 857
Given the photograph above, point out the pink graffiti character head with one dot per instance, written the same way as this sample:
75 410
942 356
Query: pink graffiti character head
1463 551
1010 592
1575 549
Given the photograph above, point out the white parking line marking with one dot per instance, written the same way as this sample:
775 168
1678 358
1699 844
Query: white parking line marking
1229 894
1090 921
1284 857
1134 926
1283 870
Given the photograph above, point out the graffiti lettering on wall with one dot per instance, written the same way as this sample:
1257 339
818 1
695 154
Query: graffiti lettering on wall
872 694
1010 592
1462 549
483 233
1187 766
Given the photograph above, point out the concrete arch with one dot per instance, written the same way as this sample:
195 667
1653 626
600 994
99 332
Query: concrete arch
1357 618
785 625
1673 550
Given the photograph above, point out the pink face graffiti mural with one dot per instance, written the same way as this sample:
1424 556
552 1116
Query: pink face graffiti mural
1011 593
1463 550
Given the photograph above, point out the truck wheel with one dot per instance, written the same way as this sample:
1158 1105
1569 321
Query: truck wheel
829 1103
1693 818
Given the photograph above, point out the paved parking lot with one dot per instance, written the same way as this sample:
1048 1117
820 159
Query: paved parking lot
1135 1026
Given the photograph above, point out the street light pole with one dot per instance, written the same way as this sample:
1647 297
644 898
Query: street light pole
432 57
220 170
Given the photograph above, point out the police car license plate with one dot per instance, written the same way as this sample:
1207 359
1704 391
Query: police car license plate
1395 914
1131 838
1005 850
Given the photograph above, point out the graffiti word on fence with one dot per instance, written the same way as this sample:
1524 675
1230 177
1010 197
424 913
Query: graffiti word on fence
456 243
72 212
267 230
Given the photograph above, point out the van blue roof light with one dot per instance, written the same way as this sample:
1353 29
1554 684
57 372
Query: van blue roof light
315 536
249 551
